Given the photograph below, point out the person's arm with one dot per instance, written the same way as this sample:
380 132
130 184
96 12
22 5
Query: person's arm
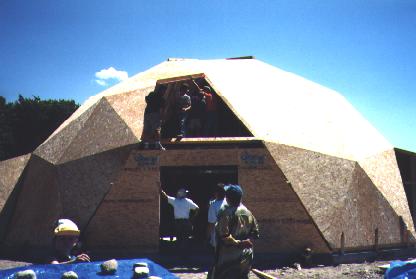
210 229
212 218
79 258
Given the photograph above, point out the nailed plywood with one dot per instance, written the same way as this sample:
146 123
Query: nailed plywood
319 119
284 223
365 211
129 215
130 107
10 174
104 130
55 146
83 183
38 207
384 172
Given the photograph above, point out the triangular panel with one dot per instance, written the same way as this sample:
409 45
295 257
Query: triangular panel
83 183
38 207
383 171
104 130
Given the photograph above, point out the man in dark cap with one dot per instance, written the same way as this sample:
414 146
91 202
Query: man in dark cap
236 228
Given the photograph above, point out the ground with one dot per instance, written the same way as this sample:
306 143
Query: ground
361 271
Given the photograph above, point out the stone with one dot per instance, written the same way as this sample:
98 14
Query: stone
109 267
141 272
25 274
140 264
69 275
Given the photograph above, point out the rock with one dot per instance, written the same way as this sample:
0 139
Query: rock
140 264
141 272
25 274
109 267
297 266
69 275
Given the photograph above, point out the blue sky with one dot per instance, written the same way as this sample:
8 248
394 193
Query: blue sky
366 50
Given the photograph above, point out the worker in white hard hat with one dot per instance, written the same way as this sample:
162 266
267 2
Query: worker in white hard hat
65 239
183 210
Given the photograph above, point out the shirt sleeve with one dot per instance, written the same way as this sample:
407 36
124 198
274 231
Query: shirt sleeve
171 200
192 205
212 218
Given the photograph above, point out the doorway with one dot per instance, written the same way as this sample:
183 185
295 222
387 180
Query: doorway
200 182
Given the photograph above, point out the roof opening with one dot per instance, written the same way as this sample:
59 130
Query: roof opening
193 109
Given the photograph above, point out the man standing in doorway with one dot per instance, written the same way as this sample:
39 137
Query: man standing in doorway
214 208
236 228
183 209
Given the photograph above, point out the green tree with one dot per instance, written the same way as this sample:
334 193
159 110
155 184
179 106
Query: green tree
27 122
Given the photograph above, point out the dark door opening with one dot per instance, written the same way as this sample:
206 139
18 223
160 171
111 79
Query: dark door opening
201 182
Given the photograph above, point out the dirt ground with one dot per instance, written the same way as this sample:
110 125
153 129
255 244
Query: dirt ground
361 271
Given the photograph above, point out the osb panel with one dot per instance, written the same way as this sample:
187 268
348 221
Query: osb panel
288 238
83 183
201 157
135 198
54 147
38 207
365 211
125 224
135 185
284 224
10 172
321 182
385 174
104 130
130 107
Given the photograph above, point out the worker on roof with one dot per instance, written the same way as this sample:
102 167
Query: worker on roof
153 114
65 239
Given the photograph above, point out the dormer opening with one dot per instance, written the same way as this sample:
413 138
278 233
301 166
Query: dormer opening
194 109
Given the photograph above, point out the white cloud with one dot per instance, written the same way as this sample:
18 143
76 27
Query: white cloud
109 76
101 82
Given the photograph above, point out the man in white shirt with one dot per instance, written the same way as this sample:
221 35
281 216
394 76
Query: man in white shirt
213 210
182 209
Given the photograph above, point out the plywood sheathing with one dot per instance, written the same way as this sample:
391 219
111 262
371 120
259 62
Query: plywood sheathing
10 171
128 217
10 174
83 183
104 130
334 191
279 211
38 207
285 225
304 114
55 146
383 171
130 108
365 210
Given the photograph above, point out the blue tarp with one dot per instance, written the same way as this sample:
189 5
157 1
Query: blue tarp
401 270
89 270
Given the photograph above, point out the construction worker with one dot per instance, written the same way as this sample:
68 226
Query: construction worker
236 228
183 209
65 239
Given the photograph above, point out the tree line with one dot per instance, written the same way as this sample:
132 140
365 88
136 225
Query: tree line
27 122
